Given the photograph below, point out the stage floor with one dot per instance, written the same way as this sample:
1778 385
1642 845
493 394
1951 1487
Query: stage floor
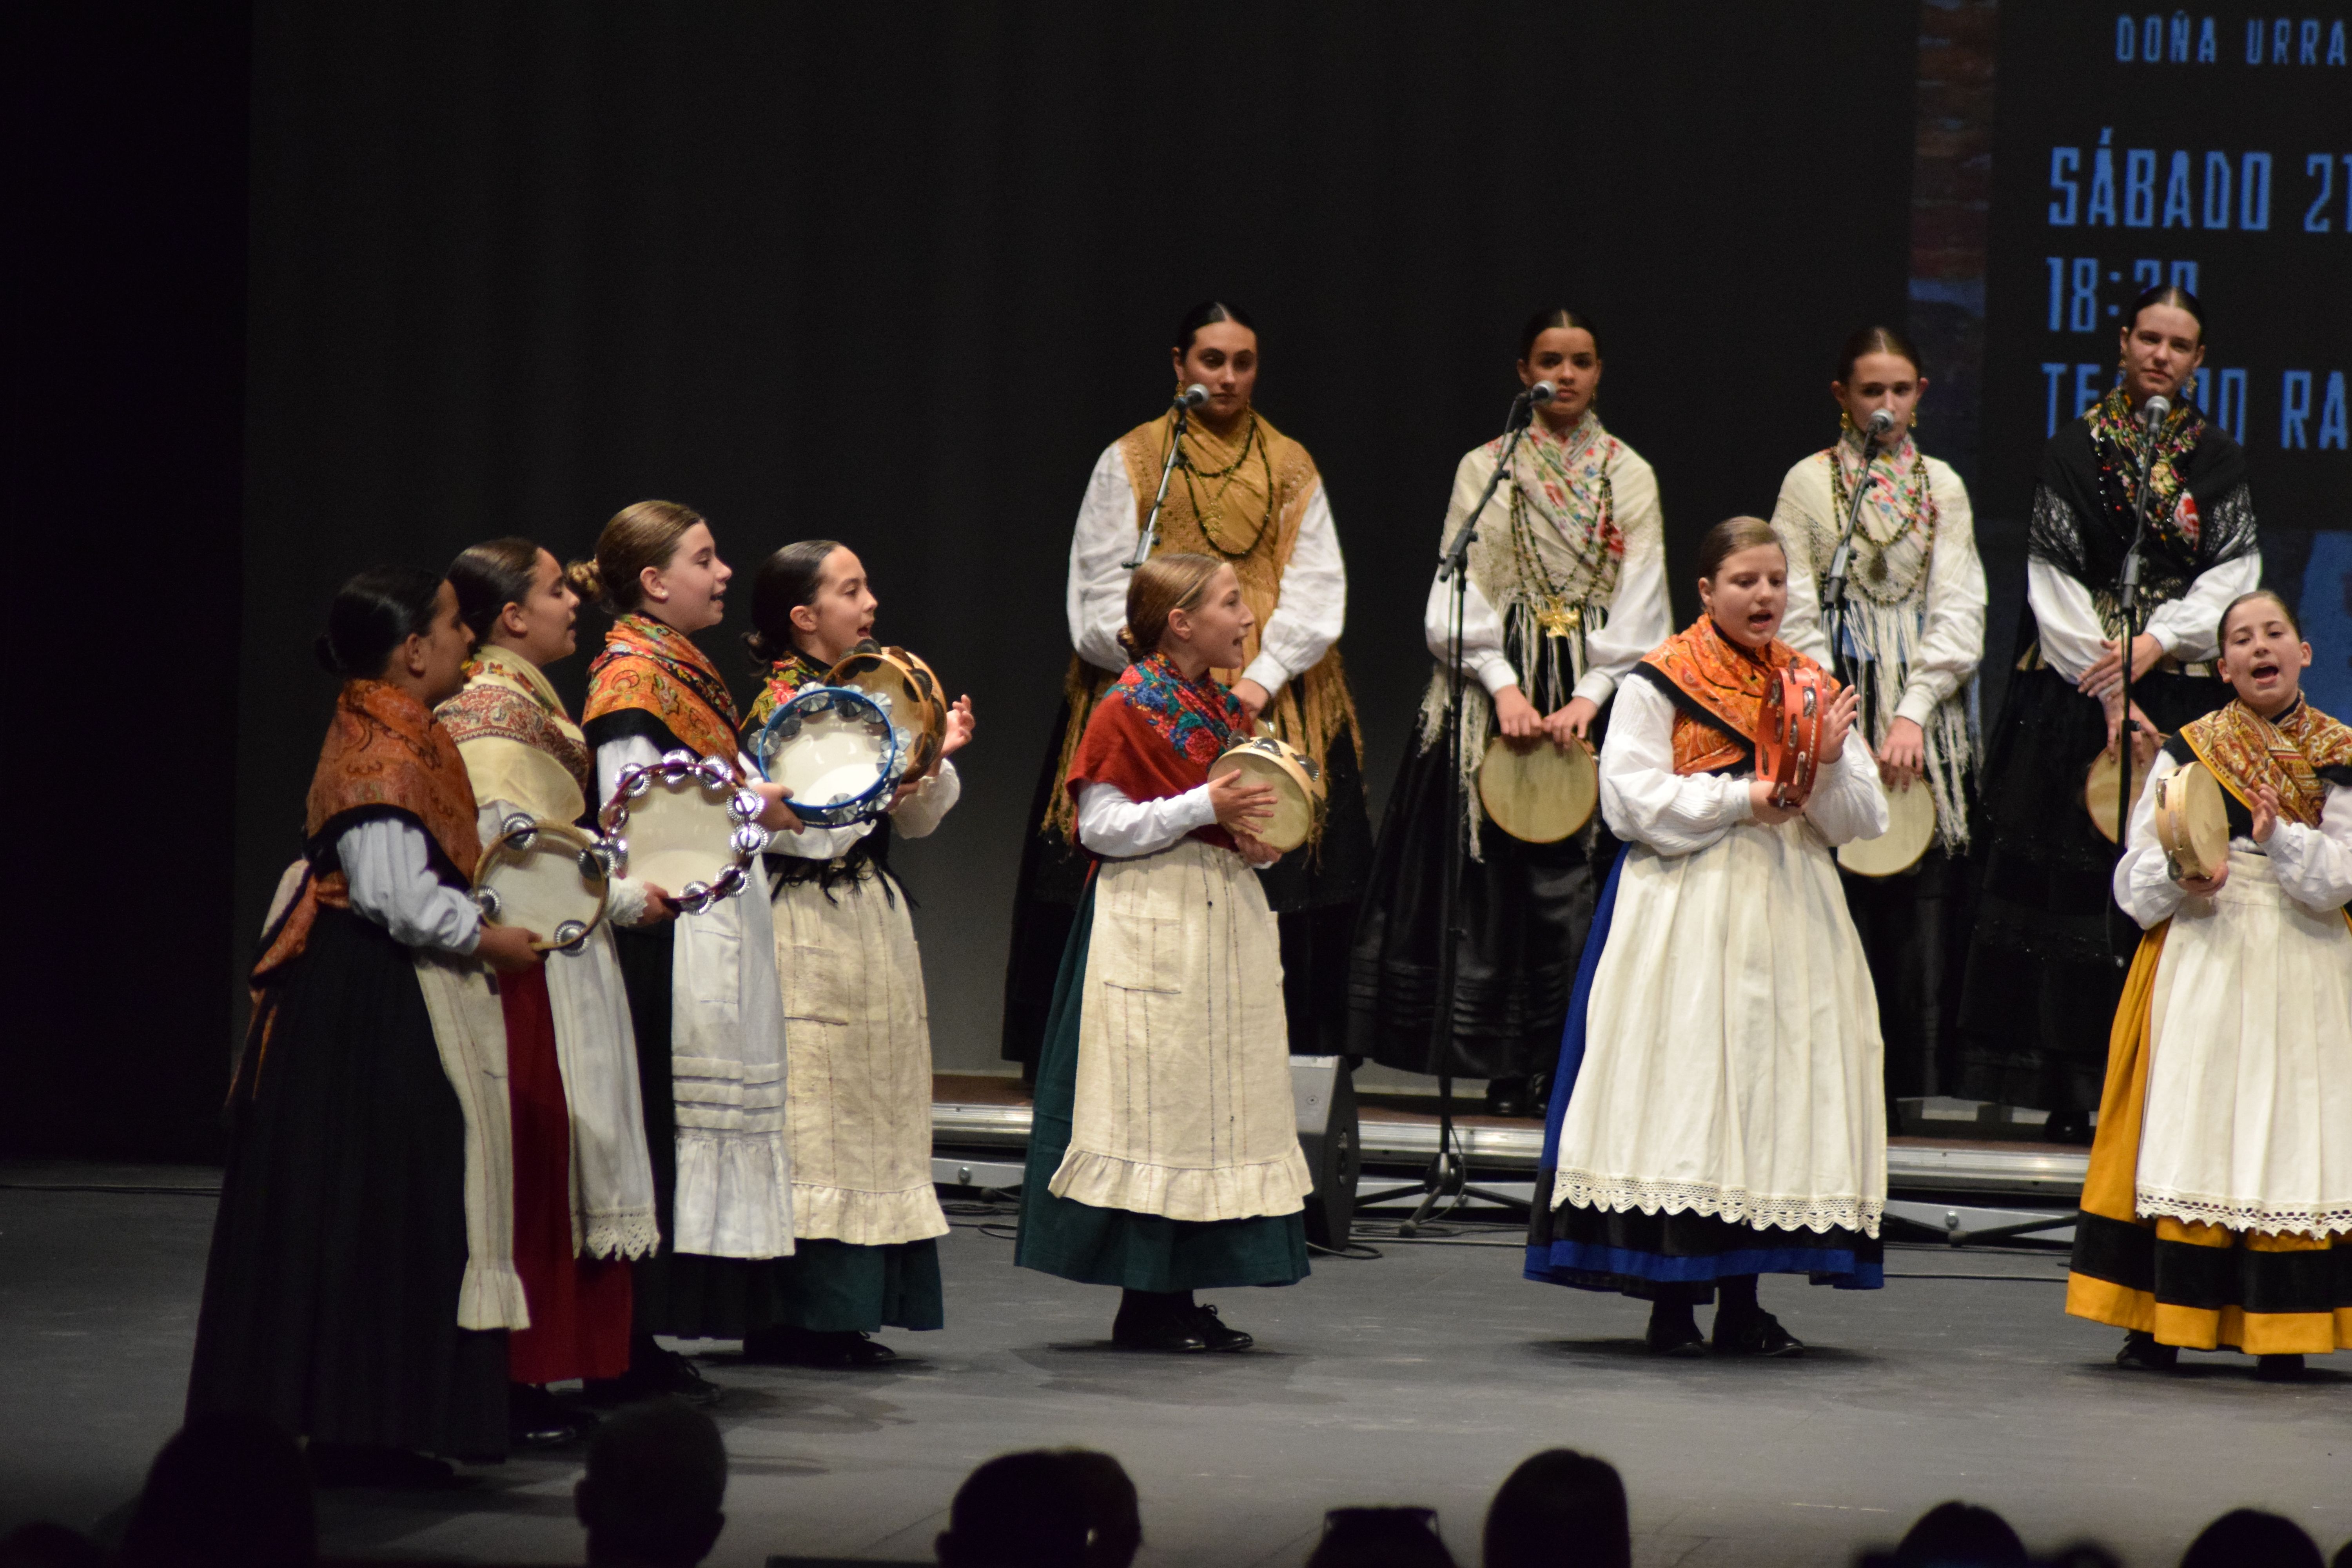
1420 1377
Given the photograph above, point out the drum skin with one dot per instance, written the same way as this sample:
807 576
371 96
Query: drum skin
542 878
1538 790
679 833
838 752
2191 823
917 706
2099 785
1299 791
1910 831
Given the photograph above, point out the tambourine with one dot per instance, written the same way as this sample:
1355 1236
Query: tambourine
1910 832
685 825
2100 787
909 694
545 877
1538 791
1789 751
1298 788
836 749
2192 823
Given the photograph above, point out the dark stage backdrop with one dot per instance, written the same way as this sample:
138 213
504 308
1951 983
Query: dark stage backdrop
896 275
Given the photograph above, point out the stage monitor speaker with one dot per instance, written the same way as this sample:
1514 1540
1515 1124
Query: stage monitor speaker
1325 1091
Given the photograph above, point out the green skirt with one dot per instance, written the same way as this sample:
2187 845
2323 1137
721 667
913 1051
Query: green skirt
1113 1247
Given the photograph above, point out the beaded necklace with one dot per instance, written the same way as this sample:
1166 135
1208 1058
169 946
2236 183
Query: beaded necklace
1906 513
1560 611
1213 514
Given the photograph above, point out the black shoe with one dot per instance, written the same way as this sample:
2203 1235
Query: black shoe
785 1345
2142 1354
1680 1339
2068 1127
1508 1096
366 1465
538 1419
1157 1325
2279 1369
1756 1333
1215 1334
654 1372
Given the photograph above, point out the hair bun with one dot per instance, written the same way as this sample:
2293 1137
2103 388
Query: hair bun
1127 642
586 580
756 646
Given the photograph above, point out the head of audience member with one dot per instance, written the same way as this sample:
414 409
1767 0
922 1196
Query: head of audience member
228 1492
657 1477
46 1544
2249 1537
1381 1538
1559 1508
1962 1535
1042 1507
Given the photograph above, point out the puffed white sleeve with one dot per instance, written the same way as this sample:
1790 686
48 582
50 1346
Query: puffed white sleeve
1642 799
1848 803
1639 616
1311 606
1113 825
1483 658
1801 622
388 861
1096 597
2315 864
2189 627
2144 887
2065 622
1951 644
919 814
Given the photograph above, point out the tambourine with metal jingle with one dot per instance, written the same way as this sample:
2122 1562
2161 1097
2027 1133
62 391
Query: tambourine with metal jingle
1788 752
909 693
2191 823
836 749
2100 787
685 824
1298 788
1910 832
1537 790
544 877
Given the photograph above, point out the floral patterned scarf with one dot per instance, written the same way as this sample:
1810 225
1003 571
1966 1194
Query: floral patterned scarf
1719 690
657 669
780 685
2297 754
1198 718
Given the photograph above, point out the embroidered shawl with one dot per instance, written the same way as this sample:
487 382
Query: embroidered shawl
2297 754
1154 734
653 668
783 680
519 744
1719 690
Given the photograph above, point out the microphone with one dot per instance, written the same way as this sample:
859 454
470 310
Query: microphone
2154 411
1881 425
1194 396
1542 392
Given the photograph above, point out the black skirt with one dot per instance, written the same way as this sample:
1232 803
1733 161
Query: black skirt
1313 893
2047 961
330 1298
1526 910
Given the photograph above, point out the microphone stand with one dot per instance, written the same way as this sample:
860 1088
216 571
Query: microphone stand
1448 1172
1150 534
1842 563
2127 609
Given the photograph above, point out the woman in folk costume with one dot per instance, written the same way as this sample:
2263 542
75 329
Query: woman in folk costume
866 1216
1567 589
1243 493
1164 1153
1914 636
2046 965
2218 1210
1716 1111
702 989
583 1185
361 1285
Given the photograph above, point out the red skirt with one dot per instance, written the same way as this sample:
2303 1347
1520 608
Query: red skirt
579 1306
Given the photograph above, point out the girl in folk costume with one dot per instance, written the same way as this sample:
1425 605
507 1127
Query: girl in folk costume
1164 1156
1243 493
1914 634
1567 589
702 989
583 1185
2045 968
1716 1111
2218 1204
865 1217
361 1285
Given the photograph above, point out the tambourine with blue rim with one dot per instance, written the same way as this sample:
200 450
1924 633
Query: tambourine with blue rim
544 877
685 824
837 751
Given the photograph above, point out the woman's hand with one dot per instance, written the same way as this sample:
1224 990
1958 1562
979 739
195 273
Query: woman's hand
1837 723
1575 719
959 724
2205 887
2107 673
1242 806
1905 756
1764 803
777 817
2144 733
1515 716
1255 850
1253 698
508 950
2266 814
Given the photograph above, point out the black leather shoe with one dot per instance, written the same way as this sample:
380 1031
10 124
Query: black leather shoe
1756 1334
2279 1369
2142 1354
538 1419
1215 1334
653 1373
1508 1096
787 1346
1679 1340
2068 1127
1157 1327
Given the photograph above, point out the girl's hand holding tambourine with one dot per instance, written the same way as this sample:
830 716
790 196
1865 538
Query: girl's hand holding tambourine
507 948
